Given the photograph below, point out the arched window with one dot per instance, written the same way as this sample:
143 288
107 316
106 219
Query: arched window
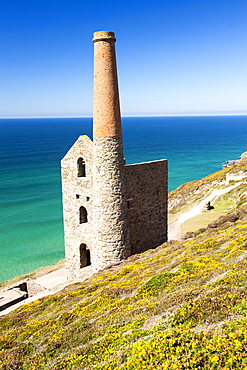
85 259
81 168
83 215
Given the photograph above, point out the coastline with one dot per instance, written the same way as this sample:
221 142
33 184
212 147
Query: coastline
31 201
51 279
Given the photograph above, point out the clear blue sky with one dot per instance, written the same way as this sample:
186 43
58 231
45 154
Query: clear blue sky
174 57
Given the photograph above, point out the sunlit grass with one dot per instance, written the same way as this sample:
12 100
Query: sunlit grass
180 306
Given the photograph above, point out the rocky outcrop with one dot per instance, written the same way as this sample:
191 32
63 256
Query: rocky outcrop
230 163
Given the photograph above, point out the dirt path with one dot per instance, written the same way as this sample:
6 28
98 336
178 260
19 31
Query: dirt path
174 229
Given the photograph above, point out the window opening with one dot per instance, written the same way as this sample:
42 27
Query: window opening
83 215
81 168
129 203
85 258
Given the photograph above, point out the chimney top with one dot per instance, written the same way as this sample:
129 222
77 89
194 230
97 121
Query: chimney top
104 36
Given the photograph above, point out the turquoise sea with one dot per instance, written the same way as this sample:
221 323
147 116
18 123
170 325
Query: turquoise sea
31 230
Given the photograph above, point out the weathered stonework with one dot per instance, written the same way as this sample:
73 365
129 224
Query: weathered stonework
77 193
110 210
110 228
146 185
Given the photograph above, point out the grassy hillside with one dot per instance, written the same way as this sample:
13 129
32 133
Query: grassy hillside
180 306
193 191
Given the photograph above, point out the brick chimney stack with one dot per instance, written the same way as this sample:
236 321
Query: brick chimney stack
110 242
107 119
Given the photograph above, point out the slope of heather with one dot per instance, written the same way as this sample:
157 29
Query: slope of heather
182 305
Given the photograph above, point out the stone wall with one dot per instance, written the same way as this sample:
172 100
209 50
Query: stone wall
124 207
110 226
146 185
77 193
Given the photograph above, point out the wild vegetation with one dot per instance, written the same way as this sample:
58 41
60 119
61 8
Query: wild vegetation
190 192
180 306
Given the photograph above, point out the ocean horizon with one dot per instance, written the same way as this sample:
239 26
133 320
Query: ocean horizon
32 148
135 116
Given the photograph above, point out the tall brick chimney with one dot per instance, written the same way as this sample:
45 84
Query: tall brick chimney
110 239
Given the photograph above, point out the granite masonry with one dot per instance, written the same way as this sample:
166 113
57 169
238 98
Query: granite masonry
111 210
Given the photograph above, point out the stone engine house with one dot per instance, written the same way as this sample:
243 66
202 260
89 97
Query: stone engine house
111 210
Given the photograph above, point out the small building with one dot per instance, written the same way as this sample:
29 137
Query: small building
111 210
